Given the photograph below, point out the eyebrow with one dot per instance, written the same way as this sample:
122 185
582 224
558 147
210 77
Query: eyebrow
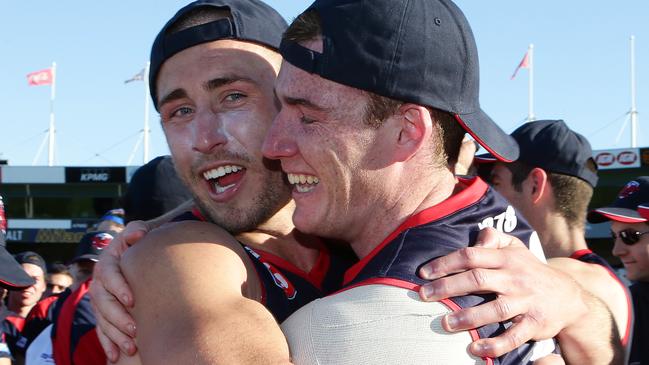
226 80
174 95
304 102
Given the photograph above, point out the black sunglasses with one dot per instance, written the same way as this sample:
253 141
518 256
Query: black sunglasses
628 236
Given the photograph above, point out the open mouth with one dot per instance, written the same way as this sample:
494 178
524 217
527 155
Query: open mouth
303 183
224 178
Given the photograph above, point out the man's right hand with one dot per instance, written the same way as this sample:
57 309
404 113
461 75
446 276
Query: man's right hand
111 295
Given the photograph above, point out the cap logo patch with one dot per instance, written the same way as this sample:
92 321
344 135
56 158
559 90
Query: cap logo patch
101 240
630 189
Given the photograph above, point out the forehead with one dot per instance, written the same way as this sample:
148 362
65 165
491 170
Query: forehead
218 58
618 226
32 269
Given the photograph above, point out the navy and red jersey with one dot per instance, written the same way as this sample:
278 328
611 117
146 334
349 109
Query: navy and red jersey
286 288
74 339
4 347
438 231
639 351
590 257
11 326
39 317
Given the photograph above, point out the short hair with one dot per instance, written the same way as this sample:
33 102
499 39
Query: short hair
571 194
307 26
58 268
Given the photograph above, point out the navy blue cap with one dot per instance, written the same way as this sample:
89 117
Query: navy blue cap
91 245
252 21
552 146
627 207
12 275
417 51
31 257
154 189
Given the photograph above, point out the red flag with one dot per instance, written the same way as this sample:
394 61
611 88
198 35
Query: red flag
42 77
525 63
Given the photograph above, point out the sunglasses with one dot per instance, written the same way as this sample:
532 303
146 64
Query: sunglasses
628 236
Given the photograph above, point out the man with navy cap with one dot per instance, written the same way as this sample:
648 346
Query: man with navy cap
376 97
629 217
551 184
12 277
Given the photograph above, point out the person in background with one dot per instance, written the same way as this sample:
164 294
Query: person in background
154 189
58 279
12 277
629 217
552 183
112 220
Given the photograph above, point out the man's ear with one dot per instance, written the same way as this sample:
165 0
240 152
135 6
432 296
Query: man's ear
414 129
538 184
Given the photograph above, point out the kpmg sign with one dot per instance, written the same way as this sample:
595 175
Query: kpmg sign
95 175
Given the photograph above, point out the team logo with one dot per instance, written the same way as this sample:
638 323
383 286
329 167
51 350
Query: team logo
281 281
503 222
628 190
627 158
605 159
101 241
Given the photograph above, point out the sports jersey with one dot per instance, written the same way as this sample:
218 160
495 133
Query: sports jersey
11 326
378 316
39 317
4 348
74 339
590 257
286 288
639 352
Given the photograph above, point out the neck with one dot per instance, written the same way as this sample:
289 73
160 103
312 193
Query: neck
560 239
278 236
437 187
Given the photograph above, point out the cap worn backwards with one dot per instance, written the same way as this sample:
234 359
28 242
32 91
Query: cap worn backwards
552 146
251 21
630 206
418 51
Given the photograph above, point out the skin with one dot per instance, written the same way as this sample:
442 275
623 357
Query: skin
22 301
561 239
216 113
635 258
57 283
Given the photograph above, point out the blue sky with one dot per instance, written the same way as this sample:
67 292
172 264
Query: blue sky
581 70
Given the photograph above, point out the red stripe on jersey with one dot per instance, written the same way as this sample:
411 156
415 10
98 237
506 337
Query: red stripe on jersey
474 190
17 321
61 342
89 350
414 287
579 253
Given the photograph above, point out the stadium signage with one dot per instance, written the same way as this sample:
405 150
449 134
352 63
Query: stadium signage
624 158
95 174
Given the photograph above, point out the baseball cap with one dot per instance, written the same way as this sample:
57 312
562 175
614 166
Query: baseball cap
552 146
643 210
91 245
418 51
154 189
31 257
627 207
252 21
12 275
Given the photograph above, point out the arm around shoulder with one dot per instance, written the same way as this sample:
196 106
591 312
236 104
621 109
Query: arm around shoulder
194 291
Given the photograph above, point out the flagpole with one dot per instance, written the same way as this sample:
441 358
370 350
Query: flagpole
50 155
146 114
634 111
530 113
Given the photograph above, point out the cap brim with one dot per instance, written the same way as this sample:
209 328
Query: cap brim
89 256
488 134
484 158
12 275
643 210
622 215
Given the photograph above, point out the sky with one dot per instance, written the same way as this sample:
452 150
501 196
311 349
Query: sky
581 68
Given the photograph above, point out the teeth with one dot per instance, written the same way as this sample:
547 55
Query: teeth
221 171
302 180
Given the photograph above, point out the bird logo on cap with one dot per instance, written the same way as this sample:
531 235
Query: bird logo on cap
629 189
101 240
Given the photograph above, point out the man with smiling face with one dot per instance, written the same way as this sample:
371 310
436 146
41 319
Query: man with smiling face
216 101
376 97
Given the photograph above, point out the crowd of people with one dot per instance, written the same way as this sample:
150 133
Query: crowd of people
325 206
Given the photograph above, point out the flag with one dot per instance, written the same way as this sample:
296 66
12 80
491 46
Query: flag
525 63
137 77
42 77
